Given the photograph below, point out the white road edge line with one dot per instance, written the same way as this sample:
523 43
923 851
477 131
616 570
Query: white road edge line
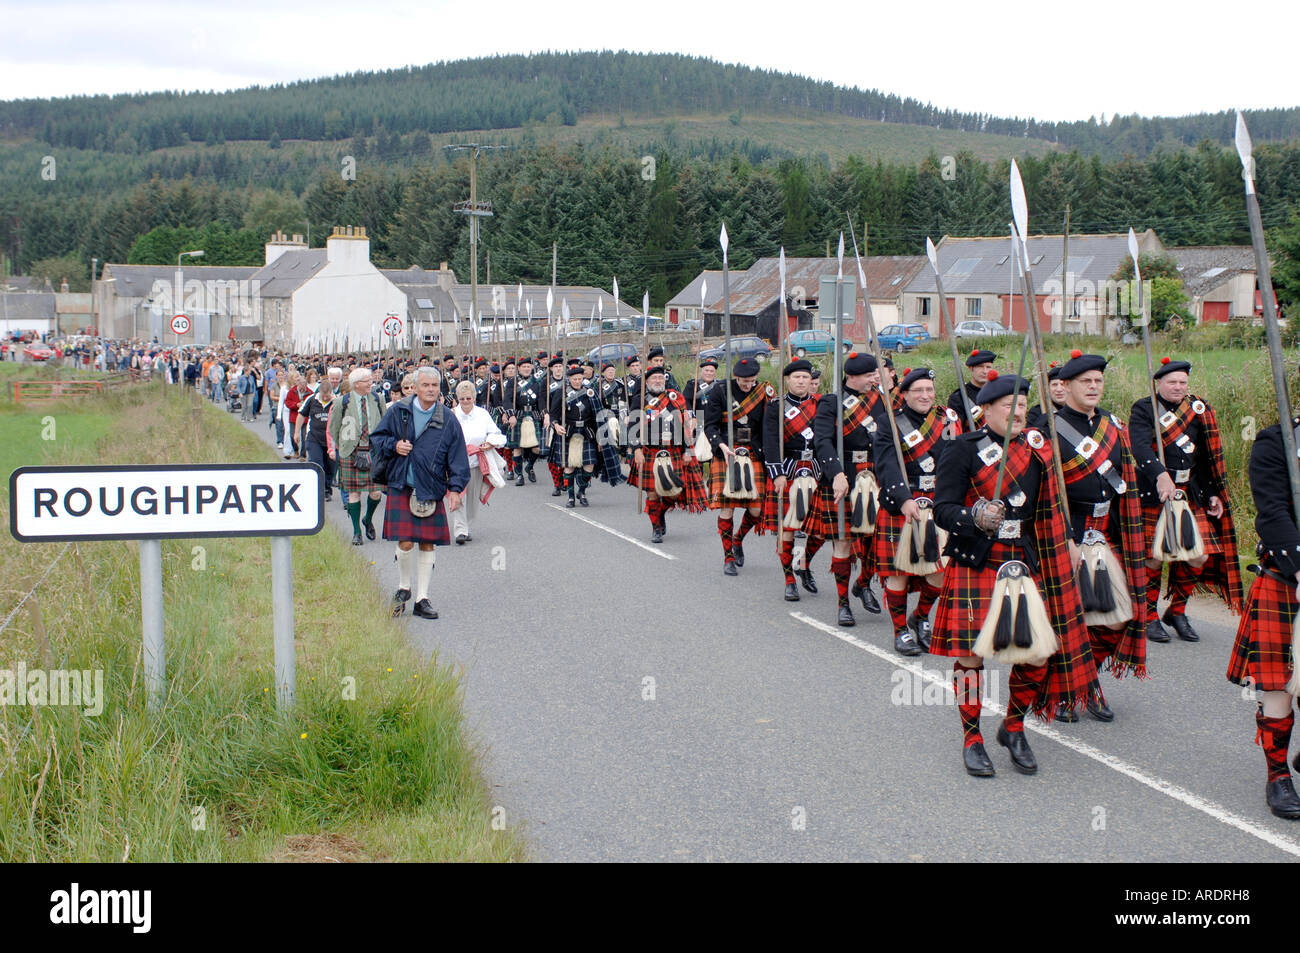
613 532
1194 801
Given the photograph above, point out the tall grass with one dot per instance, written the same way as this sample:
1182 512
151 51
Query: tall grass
218 774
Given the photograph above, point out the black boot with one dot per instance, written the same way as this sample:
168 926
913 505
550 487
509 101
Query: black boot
729 567
1098 708
977 762
657 533
905 643
1156 632
582 490
568 485
806 579
791 592
1066 714
1017 745
1178 622
921 626
519 475
738 551
528 468
1282 799
846 619
400 598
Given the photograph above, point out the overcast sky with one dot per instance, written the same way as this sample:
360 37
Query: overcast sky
1052 61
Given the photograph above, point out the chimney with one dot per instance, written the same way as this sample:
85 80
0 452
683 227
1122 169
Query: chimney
281 243
445 278
348 246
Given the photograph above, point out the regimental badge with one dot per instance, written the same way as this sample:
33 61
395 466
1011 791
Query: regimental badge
990 454
1035 438
791 412
951 414
672 395
976 412
912 438
770 393
850 402
807 433
1086 448
589 392
927 464
1198 407
1167 419
1017 499
870 424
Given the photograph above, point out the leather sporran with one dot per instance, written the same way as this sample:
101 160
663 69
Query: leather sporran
361 459
422 509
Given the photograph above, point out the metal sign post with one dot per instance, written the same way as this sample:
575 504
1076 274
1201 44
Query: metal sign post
153 503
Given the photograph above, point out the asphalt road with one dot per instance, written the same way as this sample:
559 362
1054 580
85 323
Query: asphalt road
639 705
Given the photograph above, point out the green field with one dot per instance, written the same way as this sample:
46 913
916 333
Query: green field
218 774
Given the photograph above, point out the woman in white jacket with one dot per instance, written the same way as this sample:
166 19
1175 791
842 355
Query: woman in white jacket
482 437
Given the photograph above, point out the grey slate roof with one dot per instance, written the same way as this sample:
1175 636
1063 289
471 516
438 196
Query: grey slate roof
26 306
982 265
136 281
419 295
1206 267
282 277
29 283
415 275
689 297
580 299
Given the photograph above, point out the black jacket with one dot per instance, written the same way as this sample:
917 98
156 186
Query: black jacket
1279 539
1201 485
715 421
861 440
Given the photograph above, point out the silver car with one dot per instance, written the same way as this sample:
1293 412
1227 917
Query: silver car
979 329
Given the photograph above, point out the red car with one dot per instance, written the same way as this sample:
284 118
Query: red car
37 352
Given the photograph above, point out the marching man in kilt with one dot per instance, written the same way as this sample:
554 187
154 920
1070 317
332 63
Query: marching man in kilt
1263 656
522 413
554 385
788 439
907 544
1107 544
980 363
863 415
1191 482
1008 593
663 463
748 404
421 448
573 428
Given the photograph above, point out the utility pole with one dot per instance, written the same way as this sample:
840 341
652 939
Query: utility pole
555 260
475 210
1065 271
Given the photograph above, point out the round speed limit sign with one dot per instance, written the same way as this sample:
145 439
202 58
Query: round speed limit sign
180 324
392 325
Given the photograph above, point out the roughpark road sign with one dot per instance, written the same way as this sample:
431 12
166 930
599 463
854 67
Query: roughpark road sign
152 503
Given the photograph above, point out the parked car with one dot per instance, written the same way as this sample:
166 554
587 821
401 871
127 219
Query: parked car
744 346
978 329
903 337
615 354
814 342
639 324
689 324
614 325
37 352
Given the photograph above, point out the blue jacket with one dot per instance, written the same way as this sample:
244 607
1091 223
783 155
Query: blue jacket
438 456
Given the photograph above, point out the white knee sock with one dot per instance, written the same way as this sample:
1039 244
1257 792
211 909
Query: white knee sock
423 571
405 560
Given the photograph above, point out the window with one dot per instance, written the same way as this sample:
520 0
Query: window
973 306
923 309
894 329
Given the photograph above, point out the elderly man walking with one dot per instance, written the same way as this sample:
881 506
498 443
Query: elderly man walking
421 450
355 413
481 435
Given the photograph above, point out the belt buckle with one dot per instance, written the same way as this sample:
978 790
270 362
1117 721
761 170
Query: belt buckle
927 481
1009 529
1182 476
743 435
1101 509
805 455
859 456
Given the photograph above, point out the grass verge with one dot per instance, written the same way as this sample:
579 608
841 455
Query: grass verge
374 762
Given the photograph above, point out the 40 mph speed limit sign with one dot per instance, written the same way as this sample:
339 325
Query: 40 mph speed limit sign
180 324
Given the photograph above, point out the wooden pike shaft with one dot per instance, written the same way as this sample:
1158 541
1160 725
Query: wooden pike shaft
1031 318
952 346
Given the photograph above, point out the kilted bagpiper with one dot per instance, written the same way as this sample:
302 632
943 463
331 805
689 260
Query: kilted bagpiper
1107 544
1008 592
851 477
748 403
351 418
1195 471
1263 656
573 433
421 449
907 541
554 385
663 463
523 413
980 362
795 500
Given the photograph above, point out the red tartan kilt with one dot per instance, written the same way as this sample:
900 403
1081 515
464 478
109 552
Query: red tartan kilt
718 478
693 497
401 526
1262 651
1209 532
964 601
885 543
352 480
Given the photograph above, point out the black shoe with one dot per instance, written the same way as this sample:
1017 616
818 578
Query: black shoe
1066 714
977 761
400 598
1178 622
569 503
582 500
905 643
356 539
1156 632
369 528
869 600
424 610
1098 708
1282 800
557 490
462 539
729 568
846 619
532 477
519 481
657 536
921 626
738 551
791 592
1017 745
806 579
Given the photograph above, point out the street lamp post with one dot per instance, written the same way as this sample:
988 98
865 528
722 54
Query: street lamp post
180 290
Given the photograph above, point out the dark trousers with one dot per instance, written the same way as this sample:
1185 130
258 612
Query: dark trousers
317 454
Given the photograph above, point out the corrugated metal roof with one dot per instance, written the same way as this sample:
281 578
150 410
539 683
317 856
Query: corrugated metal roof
758 288
982 265
1206 267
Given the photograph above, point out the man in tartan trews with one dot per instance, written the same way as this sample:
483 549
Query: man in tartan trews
991 524
1262 656
1193 464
